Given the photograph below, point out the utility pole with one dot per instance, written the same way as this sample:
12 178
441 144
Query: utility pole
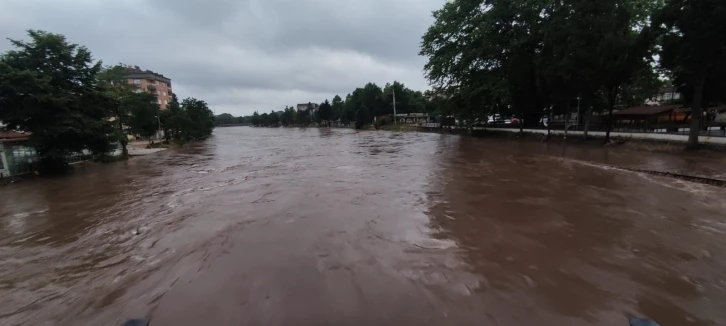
395 119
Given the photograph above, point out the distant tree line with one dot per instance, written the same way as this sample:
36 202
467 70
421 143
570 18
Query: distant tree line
358 109
533 58
68 103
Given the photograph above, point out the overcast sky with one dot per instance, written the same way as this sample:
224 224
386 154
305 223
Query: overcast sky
243 55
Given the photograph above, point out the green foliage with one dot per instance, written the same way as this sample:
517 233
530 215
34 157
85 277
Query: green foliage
143 111
274 119
325 112
288 117
199 119
191 120
255 120
360 107
304 118
117 89
694 53
48 87
362 117
339 110
526 57
225 119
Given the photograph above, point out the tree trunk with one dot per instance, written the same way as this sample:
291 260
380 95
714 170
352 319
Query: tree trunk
549 121
610 124
588 118
696 114
521 121
564 142
124 142
612 95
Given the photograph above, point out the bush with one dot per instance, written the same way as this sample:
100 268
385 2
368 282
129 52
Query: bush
382 121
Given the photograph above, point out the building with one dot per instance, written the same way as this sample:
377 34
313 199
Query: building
304 107
16 157
149 81
412 118
649 118
665 95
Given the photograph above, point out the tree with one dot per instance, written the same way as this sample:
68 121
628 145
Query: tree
48 87
339 109
304 117
288 117
143 110
371 96
362 117
256 120
274 119
113 81
694 50
198 120
225 119
172 119
325 112
532 57
626 48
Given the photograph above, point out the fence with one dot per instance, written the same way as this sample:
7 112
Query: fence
20 159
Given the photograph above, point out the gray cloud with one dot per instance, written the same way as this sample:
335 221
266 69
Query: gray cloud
242 56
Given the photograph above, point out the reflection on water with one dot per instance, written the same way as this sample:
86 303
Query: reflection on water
331 227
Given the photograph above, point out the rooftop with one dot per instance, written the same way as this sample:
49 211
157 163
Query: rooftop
8 136
136 72
647 110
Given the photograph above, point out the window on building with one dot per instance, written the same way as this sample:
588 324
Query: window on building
158 101
137 81
166 102
137 91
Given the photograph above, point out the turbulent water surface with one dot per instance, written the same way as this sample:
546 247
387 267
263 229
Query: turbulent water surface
335 227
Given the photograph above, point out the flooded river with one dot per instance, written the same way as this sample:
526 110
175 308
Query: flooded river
337 227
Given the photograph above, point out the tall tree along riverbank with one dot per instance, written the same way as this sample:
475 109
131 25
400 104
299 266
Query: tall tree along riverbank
533 58
70 103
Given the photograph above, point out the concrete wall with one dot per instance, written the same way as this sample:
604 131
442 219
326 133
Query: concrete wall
631 135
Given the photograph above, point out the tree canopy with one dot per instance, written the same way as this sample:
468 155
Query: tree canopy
49 87
694 53
530 58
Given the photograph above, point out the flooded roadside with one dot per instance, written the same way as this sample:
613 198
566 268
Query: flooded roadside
330 227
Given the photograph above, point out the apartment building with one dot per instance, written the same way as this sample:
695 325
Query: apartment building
149 81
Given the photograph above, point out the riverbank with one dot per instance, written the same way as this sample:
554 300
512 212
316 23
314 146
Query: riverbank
652 145
672 144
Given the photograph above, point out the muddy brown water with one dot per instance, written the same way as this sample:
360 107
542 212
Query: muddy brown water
337 227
